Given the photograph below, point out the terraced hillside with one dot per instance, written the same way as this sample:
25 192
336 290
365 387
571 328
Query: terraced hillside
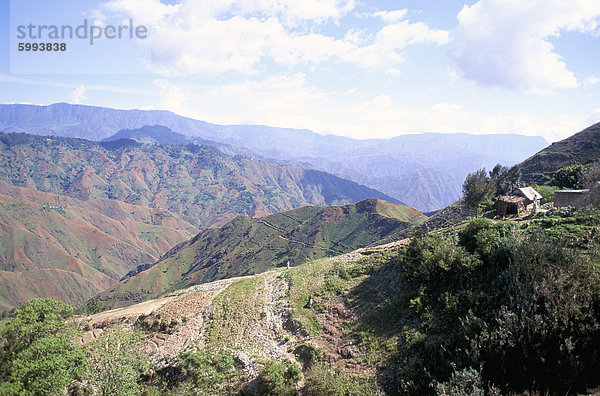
247 246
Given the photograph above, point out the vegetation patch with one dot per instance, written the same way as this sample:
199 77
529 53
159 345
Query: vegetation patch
236 312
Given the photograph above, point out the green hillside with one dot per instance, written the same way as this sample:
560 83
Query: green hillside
492 308
76 216
248 246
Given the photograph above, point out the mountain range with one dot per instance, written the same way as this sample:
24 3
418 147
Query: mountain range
76 216
425 171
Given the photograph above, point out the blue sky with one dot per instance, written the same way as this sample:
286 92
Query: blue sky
347 67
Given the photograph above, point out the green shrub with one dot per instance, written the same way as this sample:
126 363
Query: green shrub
212 372
520 306
308 355
322 380
465 382
279 378
117 362
37 356
570 176
95 306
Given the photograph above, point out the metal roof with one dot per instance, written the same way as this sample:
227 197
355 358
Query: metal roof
529 193
572 191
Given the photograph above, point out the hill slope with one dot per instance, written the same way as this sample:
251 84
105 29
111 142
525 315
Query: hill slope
248 246
581 148
425 170
491 306
56 246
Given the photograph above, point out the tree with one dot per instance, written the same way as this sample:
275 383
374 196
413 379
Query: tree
514 177
499 180
505 179
476 188
117 362
570 176
95 306
37 356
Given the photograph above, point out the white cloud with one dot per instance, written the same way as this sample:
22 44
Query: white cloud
591 80
76 96
507 42
214 36
594 117
387 49
391 16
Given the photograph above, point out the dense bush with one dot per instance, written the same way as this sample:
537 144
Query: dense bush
37 356
279 378
212 372
524 309
117 362
466 382
570 176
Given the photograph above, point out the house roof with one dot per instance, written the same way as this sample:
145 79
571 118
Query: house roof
585 190
510 198
529 193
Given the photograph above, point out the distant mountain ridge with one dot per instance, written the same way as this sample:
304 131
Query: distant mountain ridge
247 246
150 134
425 171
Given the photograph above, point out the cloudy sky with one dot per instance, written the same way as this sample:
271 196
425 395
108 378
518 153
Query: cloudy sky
361 69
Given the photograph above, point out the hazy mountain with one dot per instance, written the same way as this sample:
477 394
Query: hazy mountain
425 171
156 134
249 246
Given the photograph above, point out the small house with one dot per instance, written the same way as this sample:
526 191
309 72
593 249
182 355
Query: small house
532 197
518 201
577 198
510 205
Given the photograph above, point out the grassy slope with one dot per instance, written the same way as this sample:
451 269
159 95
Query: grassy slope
359 316
265 317
247 246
